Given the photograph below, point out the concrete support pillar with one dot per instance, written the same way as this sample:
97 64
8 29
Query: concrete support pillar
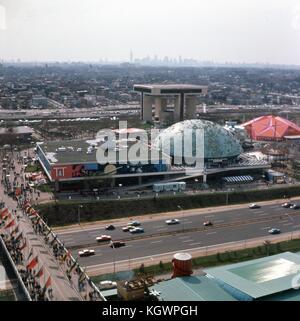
147 108
140 180
204 178
190 107
157 107
177 109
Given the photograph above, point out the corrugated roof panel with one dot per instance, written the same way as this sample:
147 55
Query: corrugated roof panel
191 288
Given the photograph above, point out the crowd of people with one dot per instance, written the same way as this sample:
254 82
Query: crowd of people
30 269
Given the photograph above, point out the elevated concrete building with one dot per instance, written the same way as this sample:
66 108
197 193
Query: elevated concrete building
183 98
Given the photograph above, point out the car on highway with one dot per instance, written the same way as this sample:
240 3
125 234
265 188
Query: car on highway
172 221
274 231
137 230
103 238
127 228
207 223
86 252
109 227
286 205
116 244
253 206
134 223
295 206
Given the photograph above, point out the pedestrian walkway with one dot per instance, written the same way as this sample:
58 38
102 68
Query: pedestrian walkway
47 268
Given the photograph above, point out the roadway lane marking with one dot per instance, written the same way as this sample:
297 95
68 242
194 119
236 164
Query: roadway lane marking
277 209
70 242
188 222
95 233
262 214
183 237
66 237
155 242
162 229
219 221
187 241
199 243
285 224
265 228
209 215
210 233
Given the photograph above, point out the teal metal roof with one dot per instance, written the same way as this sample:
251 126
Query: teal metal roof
190 288
291 295
260 277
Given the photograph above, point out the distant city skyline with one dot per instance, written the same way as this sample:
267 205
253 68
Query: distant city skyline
215 31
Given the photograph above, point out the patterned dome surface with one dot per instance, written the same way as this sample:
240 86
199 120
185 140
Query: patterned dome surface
218 142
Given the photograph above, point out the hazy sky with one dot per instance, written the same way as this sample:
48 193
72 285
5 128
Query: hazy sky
87 30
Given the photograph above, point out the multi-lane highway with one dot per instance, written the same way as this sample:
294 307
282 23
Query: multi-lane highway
159 238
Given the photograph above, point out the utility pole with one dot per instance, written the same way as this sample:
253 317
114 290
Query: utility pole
182 217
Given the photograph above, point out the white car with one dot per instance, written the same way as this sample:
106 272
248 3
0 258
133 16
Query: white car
127 228
86 252
136 230
103 238
253 206
172 221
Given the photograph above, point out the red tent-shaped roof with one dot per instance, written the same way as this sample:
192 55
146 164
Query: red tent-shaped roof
270 128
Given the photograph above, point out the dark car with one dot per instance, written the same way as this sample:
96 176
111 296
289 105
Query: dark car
274 231
109 227
286 205
295 206
116 244
254 206
207 223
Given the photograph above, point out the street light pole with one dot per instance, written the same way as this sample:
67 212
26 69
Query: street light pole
178 206
292 220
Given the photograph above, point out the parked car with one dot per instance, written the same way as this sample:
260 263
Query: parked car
295 206
107 285
109 227
274 231
86 252
207 223
137 230
253 206
116 244
103 238
172 221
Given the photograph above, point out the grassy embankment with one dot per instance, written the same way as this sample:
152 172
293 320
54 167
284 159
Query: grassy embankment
66 212
216 259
